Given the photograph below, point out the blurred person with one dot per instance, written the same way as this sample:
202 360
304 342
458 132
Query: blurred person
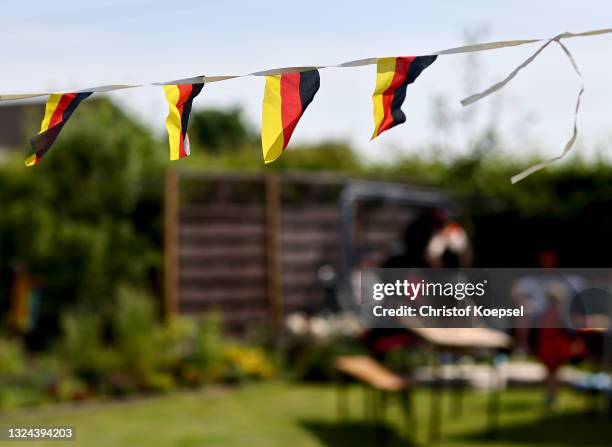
449 248
532 291
416 238
553 346
431 241
412 254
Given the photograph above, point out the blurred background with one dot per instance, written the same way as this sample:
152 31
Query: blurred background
211 301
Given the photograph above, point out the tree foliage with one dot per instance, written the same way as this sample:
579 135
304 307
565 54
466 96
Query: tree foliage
219 130
88 217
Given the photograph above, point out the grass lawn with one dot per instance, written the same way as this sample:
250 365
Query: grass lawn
289 415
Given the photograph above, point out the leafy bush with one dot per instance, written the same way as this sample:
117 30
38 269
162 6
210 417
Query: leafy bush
136 338
115 351
20 387
12 360
88 217
82 348
207 353
194 349
127 350
197 352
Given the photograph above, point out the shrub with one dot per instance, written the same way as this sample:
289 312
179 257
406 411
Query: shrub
137 337
197 353
127 351
12 360
89 219
208 352
82 350
20 383
117 352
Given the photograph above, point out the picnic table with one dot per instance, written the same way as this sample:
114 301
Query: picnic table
478 337
380 382
462 338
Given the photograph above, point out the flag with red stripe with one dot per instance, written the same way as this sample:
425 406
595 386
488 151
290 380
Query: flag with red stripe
286 97
393 74
180 99
59 108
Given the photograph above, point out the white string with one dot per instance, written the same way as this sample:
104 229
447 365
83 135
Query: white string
498 86
572 139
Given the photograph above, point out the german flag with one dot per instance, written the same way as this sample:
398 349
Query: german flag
180 98
59 108
285 100
393 74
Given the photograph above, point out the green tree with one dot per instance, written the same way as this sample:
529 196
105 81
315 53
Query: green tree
324 156
88 217
219 130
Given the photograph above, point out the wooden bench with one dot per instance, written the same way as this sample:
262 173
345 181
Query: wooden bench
379 383
368 371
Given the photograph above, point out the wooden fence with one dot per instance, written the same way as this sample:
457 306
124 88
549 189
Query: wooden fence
250 246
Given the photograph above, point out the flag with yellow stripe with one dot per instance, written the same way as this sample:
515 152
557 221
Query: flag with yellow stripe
286 97
180 99
59 108
393 74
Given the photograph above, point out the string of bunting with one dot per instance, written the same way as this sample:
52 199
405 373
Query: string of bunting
289 91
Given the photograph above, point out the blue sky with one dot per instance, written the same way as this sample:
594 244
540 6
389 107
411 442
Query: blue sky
77 44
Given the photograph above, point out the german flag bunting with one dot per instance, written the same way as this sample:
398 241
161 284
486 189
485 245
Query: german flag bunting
180 99
393 74
286 97
59 108
290 89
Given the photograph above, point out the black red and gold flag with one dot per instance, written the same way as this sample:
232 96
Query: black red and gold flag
393 74
285 99
180 99
59 108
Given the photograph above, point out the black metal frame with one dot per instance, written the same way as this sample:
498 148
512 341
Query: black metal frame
367 191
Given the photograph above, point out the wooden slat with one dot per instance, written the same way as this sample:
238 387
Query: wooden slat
222 212
198 253
301 278
223 230
308 236
224 264
233 307
253 271
225 284
296 216
254 293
